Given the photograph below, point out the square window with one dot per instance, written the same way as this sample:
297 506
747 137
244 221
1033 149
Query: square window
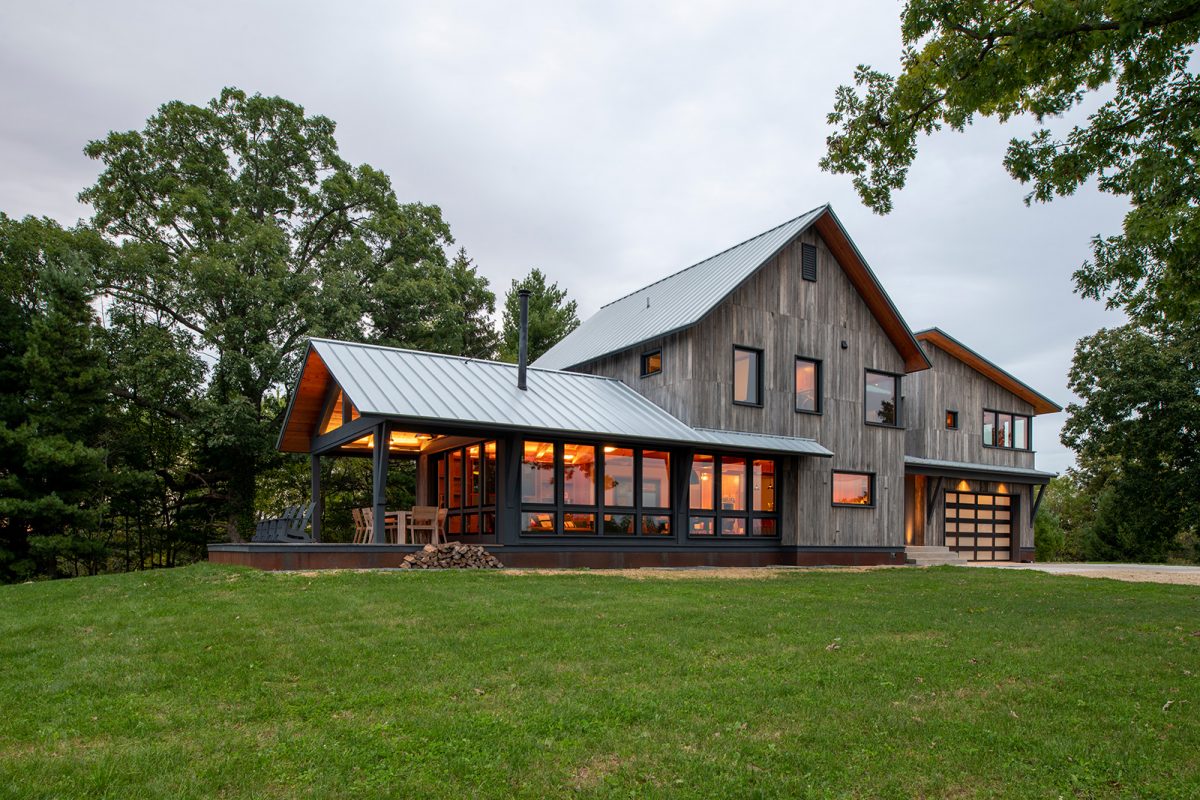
733 526
579 524
618 524
700 526
765 527
808 385
651 363
853 489
881 398
951 420
747 376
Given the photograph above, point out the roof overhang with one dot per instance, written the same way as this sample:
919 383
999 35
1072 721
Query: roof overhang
870 290
953 347
973 471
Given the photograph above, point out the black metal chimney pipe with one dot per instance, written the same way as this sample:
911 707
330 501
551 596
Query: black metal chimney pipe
523 345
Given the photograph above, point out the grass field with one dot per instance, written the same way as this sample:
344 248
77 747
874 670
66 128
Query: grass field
221 682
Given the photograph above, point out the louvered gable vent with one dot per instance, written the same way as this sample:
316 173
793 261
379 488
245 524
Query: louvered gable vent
808 262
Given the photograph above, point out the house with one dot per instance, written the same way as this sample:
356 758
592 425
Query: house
768 405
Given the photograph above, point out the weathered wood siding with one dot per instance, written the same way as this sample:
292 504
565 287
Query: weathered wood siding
785 316
952 385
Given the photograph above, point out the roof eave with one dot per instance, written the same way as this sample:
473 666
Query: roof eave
989 369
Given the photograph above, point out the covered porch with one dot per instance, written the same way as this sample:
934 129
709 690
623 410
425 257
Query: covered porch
565 470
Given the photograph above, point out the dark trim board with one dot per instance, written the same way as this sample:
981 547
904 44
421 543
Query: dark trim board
273 557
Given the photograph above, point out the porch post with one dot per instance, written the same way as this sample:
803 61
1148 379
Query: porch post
318 503
380 467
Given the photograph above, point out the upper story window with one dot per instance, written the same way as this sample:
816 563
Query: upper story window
651 363
951 420
747 376
1011 431
881 400
808 385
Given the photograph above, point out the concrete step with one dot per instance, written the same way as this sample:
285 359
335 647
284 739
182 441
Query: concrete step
929 556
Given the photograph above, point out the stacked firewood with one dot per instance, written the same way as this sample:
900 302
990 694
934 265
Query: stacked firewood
452 555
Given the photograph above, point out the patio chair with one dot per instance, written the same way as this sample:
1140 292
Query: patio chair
426 520
364 526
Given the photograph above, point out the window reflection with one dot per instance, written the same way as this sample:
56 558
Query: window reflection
880 401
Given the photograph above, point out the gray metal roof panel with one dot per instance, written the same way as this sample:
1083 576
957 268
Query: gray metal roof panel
969 466
762 441
391 382
673 303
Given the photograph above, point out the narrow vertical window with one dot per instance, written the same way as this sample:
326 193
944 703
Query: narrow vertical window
747 376
989 428
881 400
537 473
651 363
951 420
808 385
579 475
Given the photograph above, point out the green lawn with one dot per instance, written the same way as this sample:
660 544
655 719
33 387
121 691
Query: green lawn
222 682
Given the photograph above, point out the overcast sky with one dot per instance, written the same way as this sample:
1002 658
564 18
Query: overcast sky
608 144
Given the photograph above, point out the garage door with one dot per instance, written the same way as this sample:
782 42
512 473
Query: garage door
980 525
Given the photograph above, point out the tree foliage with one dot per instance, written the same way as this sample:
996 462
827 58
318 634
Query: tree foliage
1003 59
245 232
53 385
551 316
1137 435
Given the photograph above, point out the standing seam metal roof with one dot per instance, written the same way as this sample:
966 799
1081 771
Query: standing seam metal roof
677 301
414 385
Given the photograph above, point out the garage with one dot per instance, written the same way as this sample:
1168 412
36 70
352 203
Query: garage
980 525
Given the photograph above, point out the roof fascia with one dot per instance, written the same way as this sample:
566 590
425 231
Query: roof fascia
989 369
905 343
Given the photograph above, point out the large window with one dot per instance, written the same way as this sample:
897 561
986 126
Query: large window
747 376
808 385
881 400
732 496
856 489
609 490
466 487
1011 431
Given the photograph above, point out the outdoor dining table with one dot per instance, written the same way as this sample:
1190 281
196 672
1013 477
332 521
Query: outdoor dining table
399 521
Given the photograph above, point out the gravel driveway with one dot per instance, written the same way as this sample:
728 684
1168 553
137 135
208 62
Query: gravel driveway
1140 573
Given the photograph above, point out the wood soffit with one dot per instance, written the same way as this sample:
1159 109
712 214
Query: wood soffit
951 346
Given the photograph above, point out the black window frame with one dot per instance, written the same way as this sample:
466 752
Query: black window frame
897 377
559 508
871 488
481 509
646 356
718 514
819 390
758 354
1028 448
952 423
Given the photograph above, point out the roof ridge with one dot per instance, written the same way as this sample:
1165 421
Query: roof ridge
715 255
390 348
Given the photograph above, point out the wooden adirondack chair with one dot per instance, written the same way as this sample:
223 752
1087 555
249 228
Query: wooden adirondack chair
290 526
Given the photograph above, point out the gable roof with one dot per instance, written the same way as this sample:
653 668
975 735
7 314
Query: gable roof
953 347
414 387
683 299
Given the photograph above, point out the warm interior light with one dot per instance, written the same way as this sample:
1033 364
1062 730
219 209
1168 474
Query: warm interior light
963 486
608 448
